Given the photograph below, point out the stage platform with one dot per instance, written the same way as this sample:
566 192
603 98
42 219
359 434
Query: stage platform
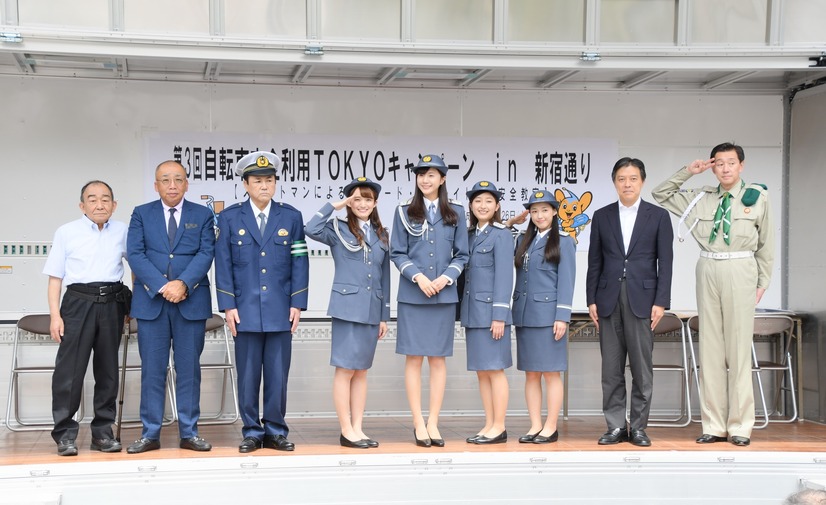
674 470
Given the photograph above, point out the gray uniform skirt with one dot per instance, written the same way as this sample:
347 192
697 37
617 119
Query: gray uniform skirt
425 330
537 351
485 353
354 344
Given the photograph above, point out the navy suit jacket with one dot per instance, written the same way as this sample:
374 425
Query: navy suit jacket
262 277
647 265
190 257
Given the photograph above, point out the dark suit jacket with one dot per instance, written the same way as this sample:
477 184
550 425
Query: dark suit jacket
150 255
647 264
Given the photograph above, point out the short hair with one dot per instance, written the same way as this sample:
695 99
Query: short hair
807 497
729 146
628 162
83 189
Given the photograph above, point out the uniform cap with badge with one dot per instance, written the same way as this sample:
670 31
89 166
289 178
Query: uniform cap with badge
362 182
481 187
258 163
431 161
542 196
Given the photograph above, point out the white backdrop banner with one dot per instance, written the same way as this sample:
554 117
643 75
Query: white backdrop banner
317 167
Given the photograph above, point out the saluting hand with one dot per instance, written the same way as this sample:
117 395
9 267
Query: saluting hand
343 203
699 166
518 219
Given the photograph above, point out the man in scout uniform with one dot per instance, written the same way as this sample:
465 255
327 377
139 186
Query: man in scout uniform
732 224
261 277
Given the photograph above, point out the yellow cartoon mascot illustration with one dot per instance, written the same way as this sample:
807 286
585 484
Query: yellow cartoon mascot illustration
572 217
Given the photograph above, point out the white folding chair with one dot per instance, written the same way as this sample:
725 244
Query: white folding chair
214 324
668 324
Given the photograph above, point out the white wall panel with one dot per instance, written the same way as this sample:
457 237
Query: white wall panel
454 20
86 14
728 21
546 21
163 16
638 21
265 18
361 19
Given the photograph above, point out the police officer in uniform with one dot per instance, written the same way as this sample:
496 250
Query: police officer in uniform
732 225
261 277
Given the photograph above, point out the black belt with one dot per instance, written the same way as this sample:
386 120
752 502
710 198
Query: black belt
97 292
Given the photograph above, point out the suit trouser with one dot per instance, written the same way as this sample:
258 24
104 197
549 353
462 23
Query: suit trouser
187 341
270 352
726 294
88 327
621 335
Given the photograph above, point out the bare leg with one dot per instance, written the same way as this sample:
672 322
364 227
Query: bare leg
438 379
499 402
487 399
533 398
413 385
358 399
341 400
553 385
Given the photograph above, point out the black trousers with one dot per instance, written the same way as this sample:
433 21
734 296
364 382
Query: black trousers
623 335
89 327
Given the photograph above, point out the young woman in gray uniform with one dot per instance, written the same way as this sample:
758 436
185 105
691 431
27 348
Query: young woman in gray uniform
545 262
486 313
359 301
429 247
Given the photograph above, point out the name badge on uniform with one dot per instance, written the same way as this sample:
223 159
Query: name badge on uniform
190 226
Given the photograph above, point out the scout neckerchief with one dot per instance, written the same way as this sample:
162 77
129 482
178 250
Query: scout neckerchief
723 217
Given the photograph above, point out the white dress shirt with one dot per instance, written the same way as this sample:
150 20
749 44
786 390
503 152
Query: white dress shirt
628 216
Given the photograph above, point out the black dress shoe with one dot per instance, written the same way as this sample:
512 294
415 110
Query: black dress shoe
473 439
540 439
358 444
528 439
639 438
105 445
709 439
740 441
195 444
278 442
143 445
614 436
498 439
250 444
437 442
421 443
370 442
66 448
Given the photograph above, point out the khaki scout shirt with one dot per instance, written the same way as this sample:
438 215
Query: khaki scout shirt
751 228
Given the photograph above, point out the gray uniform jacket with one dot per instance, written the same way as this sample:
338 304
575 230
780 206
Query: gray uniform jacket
544 291
361 285
488 277
432 249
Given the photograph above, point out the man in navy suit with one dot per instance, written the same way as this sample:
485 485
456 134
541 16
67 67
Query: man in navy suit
628 288
170 246
261 276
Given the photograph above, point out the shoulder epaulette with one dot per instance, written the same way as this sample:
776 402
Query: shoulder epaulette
752 193
501 226
563 233
455 202
407 202
287 206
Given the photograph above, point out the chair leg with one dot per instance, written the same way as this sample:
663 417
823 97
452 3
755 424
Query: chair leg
756 371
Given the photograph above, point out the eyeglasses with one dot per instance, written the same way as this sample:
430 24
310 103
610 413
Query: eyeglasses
179 181
730 163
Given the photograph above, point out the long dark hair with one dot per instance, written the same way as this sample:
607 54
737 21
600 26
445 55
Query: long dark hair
551 253
497 216
375 220
416 210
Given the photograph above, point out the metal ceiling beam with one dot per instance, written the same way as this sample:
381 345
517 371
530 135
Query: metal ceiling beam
389 76
211 71
122 69
810 77
774 21
640 79
475 77
727 79
558 78
301 74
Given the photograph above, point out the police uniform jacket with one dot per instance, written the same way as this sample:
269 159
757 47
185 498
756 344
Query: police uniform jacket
488 277
432 249
751 228
544 291
189 259
361 285
262 277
